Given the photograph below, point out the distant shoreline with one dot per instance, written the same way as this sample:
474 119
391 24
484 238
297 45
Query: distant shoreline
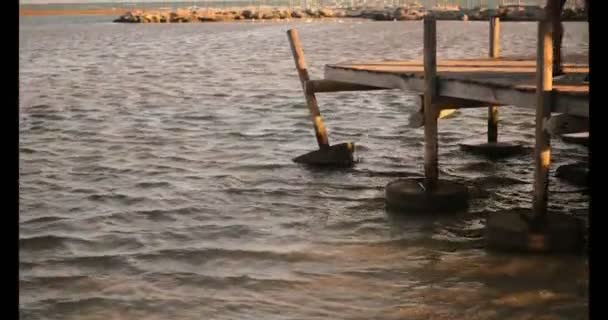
73 12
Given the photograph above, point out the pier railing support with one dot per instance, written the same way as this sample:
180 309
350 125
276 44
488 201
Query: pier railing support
430 194
536 230
341 154
492 148
311 99
431 170
544 87
494 52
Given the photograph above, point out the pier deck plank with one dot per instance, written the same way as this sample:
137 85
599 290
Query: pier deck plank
500 81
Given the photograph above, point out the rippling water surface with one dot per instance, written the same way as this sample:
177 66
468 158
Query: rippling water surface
156 180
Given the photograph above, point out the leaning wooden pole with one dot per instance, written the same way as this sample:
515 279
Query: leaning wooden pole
311 100
544 87
431 171
494 52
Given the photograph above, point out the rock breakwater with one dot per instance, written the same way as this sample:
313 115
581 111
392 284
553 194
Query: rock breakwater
507 13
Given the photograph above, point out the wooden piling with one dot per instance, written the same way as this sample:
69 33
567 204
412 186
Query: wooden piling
311 99
431 171
494 36
544 87
494 52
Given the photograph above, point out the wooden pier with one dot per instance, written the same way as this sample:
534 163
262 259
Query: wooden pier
478 82
484 83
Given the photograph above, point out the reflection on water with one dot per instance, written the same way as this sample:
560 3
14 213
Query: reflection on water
156 180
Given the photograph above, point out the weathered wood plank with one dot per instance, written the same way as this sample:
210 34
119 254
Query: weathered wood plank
315 86
480 62
443 103
509 73
384 80
509 77
446 64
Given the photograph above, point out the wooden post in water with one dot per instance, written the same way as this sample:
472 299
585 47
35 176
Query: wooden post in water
544 87
311 100
494 36
494 52
431 170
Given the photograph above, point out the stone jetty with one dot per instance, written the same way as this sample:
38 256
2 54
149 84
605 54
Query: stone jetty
507 13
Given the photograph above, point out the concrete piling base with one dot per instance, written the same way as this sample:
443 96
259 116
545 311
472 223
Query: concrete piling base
410 195
339 155
511 231
574 173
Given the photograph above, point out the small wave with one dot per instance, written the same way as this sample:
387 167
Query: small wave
96 168
105 243
47 219
155 214
153 184
374 173
27 150
351 187
62 305
161 169
41 108
357 224
390 137
361 147
83 190
352 199
48 116
267 136
240 281
297 225
48 242
262 166
263 191
495 181
196 256
39 280
458 236
197 117
122 198
93 263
